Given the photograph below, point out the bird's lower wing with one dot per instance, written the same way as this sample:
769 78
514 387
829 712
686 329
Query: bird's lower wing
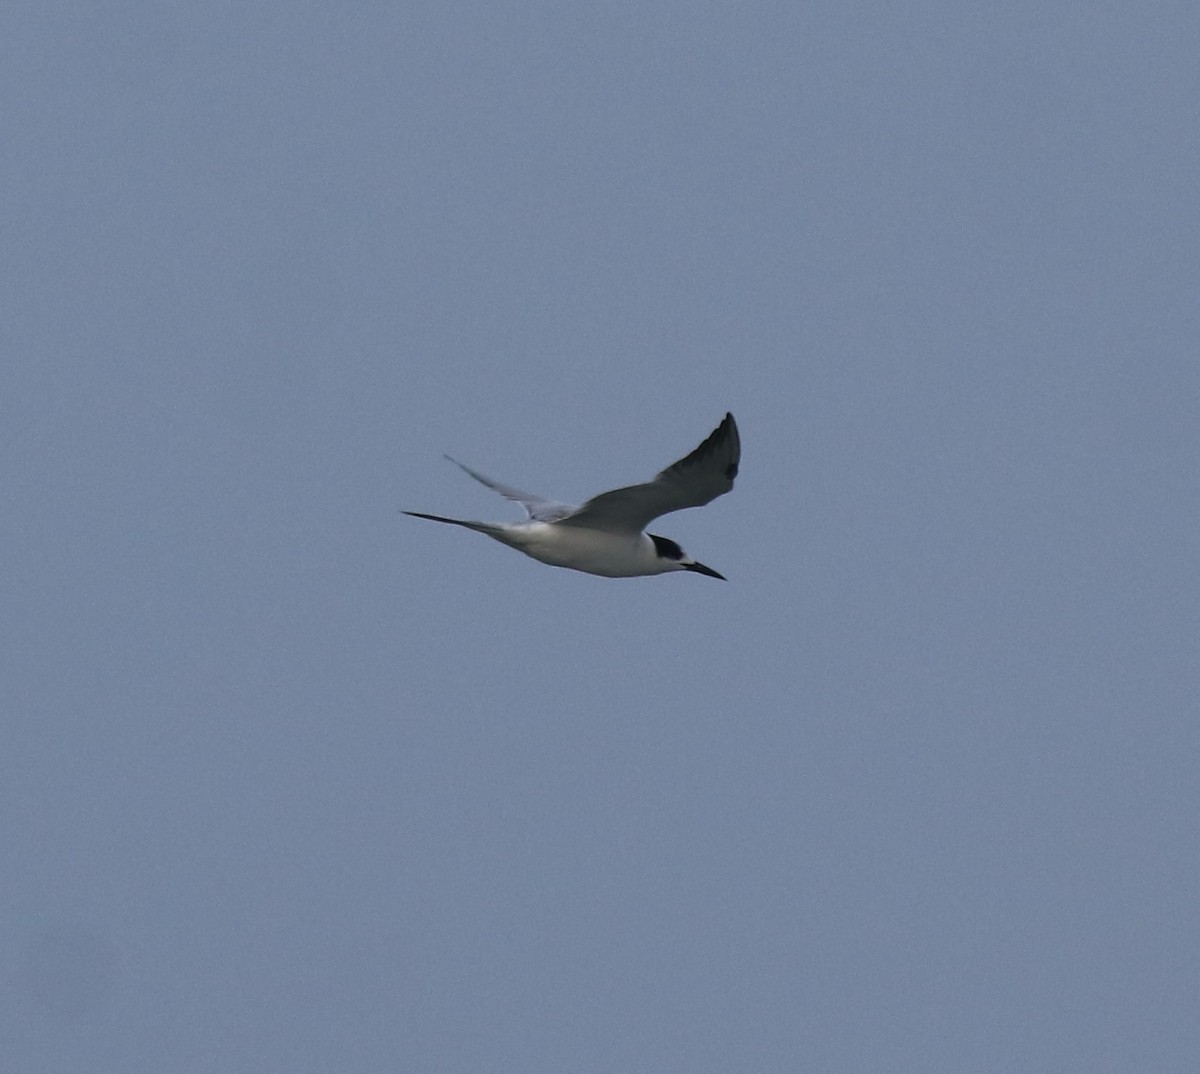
540 510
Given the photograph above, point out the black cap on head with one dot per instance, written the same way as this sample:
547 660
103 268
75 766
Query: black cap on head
668 549
665 547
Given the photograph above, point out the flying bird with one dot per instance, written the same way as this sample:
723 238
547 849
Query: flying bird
606 535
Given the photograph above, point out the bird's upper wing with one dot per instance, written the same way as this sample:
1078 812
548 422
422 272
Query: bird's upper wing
538 509
693 481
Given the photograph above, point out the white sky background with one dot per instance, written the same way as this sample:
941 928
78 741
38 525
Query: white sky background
290 782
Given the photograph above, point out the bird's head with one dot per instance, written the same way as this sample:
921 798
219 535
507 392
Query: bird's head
673 558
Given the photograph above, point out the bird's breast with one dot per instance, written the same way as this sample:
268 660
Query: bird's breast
613 555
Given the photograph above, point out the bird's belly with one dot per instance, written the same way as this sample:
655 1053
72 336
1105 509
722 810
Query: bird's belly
592 551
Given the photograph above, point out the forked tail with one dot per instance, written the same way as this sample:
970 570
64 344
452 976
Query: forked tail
479 527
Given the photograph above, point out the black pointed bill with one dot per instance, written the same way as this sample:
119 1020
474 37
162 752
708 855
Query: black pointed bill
700 568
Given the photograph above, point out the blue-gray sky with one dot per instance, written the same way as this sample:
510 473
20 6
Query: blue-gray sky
293 783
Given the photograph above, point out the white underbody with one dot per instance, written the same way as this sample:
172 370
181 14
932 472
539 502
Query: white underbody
611 555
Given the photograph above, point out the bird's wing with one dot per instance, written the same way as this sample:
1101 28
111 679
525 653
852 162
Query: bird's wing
693 481
535 507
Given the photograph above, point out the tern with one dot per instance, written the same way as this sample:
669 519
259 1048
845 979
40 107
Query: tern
606 535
